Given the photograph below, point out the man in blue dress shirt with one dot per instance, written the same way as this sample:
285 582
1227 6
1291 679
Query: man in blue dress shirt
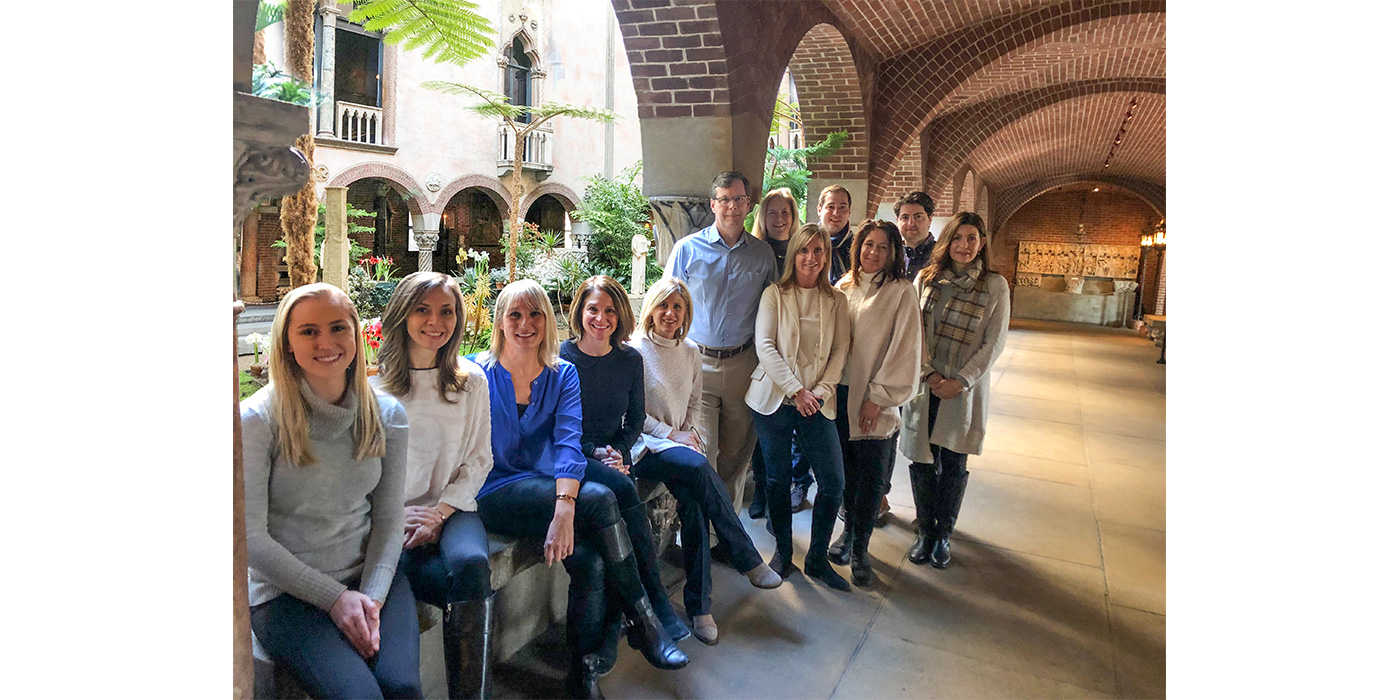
726 270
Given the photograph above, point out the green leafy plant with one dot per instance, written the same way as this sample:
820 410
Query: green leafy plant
270 83
353 226
270 12
368 296
448 31
616 210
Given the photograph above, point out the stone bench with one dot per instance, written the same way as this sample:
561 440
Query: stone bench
529 598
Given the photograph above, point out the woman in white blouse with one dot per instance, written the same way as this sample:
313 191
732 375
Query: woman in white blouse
882 370
672 450
802 335
449 455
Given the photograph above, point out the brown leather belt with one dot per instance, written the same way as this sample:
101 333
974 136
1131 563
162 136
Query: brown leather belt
722 353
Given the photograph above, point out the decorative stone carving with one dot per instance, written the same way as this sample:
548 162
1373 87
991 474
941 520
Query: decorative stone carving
1116 261
1027 279
321 173
534 24
1074 284
264 174
1120 286
426 242
434 182
675 218
640 246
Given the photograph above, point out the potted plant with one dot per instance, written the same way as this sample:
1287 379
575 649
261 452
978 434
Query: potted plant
260 346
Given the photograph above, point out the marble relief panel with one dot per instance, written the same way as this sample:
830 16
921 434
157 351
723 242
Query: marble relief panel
1118 261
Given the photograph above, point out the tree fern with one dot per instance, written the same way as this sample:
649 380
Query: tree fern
447 31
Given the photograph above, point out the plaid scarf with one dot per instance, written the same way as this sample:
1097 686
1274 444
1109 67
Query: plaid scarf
953 333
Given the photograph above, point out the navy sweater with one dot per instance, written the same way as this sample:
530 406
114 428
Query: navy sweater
614 405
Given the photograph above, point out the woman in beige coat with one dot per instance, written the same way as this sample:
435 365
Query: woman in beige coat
965 309
882 373
802 335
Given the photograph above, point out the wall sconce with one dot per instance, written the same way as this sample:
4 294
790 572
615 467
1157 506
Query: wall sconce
1146 241
1159 236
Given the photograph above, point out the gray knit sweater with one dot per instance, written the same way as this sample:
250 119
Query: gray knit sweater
313 530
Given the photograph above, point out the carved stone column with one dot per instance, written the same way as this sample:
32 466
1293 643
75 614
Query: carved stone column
674 218
325 112
335 250
425 235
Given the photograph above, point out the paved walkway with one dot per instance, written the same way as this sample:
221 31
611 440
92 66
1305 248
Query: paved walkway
1058 583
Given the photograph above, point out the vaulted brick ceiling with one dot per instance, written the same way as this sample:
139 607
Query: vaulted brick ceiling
941 62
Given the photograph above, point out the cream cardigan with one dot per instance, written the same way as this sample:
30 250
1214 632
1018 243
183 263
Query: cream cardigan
776 335
886 344
962 420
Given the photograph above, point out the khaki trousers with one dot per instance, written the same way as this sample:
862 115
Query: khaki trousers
727 420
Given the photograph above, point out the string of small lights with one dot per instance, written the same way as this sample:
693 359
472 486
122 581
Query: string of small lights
1122 131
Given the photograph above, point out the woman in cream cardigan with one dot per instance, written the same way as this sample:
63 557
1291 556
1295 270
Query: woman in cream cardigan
802 334
882 372
965 309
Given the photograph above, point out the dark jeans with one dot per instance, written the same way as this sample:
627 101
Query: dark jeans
703 501
302 637
801 471
817 437
525 509
869 466
455 568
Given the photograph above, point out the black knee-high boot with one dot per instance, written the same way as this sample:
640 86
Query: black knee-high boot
644 631
947 504
466 643
824 508
860 523
923 478
649 570
583 634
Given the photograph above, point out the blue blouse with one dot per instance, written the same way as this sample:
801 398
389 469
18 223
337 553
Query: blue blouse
544 441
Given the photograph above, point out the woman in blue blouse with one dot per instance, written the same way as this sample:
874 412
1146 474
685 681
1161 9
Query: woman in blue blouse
536 486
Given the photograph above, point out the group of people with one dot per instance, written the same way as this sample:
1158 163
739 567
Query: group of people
804 346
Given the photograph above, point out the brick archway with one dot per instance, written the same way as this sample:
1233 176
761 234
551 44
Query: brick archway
912 96
398 179
563 193
1013 198
954 136
964 184
829 96
491 186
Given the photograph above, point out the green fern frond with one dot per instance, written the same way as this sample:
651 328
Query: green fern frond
447 31
493 104
549 110
270 12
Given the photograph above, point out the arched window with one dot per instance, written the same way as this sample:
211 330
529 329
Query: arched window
517 77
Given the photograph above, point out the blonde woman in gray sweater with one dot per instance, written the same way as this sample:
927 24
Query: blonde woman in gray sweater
323 466
965 309
882 371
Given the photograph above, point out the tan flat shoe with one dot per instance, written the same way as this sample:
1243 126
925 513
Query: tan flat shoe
705 629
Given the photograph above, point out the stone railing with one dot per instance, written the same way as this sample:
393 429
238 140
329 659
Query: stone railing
539 149
359 123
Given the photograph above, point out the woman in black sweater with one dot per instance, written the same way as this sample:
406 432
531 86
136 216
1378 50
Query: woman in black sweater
614 407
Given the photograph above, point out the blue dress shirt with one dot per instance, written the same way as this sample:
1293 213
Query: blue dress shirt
542 442
725 284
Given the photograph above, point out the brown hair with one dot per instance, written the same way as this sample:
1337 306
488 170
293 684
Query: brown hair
394 370
894 266
615 292
940 258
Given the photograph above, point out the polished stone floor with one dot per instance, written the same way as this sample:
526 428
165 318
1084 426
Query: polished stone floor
1058 582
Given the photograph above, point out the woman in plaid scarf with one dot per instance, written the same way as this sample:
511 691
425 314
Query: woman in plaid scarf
965 308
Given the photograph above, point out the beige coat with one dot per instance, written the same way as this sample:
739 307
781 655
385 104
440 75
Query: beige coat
776 335
886 344
962 420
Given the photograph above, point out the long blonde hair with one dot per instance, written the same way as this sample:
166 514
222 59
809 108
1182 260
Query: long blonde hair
805 235
659 292
760 227
534 295
394 370
291 410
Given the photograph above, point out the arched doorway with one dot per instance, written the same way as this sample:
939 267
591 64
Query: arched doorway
547 212
471 219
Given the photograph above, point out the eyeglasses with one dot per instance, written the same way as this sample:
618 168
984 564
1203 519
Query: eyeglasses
741 199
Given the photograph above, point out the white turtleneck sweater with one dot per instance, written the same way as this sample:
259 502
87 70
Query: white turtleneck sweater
671 369
449 444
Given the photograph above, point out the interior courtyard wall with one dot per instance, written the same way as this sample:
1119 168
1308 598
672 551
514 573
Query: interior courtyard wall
1109 218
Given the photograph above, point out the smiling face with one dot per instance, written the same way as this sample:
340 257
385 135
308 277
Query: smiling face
730 205
599 317
666 318
964 245
913 224
430 325
523 326
835 210
874 251
777 219
809 262
322 337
